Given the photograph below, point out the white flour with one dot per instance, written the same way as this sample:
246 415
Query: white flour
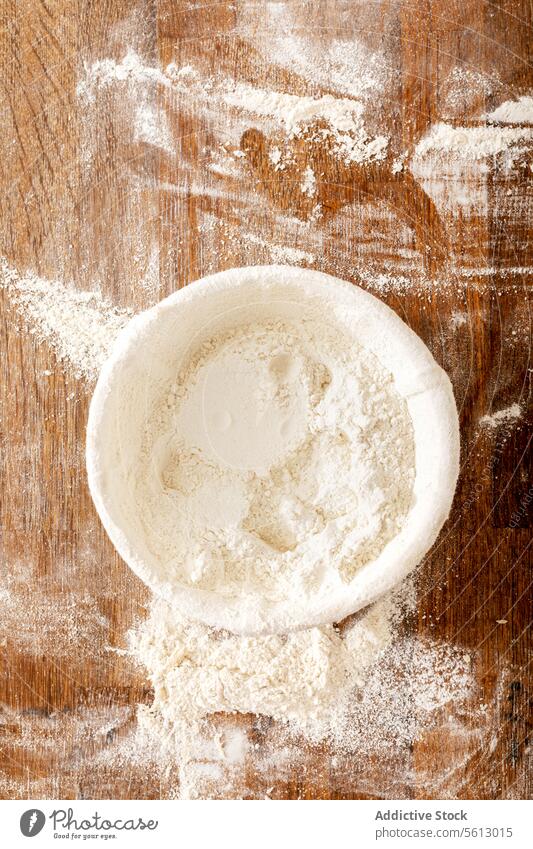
509 414
151 127
453 163
346 65
106 72
340 120
278 253
308 184
343 119
473 142
80 327
467 144
365 691
464 90
304 679
518 111
281 460
41 618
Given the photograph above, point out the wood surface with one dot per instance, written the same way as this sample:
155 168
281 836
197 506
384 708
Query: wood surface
100 219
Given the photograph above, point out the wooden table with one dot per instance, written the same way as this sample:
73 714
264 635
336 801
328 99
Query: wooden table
87 198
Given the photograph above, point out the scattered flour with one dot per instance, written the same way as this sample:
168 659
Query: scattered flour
80 327
304 679
398 165
336 120
364 690
452 164
280 461
300 678
513 112
509 414
308 184
150 126
275 157
343 119
491 270
474 143
282 254
38 620
464 90
347 66
458 319
106 72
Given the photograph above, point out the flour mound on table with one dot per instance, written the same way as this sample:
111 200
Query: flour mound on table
279 462
518 111
303 679
364 688
80 327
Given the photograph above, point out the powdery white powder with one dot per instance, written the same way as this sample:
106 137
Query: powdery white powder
151 127
80 327
363 690
106 72
465 89
283 254
39 618
509 414
308 184
518 111
453 163
346 65
280 461
340 119
474 143
343 119
303 679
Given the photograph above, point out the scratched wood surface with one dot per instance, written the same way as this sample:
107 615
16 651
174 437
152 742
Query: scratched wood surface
84 200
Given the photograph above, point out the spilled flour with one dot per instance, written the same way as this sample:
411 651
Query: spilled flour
343 119
301 678
364 690
80 327
475 142
44 619
518 111
505 416
337 120
285 39
279 462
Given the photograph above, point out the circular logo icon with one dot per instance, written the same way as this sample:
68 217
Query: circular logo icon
32 822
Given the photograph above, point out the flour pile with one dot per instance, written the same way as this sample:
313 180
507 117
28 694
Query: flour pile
364 689
279 462
304 679
80 327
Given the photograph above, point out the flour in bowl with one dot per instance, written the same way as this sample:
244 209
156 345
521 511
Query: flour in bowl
280 460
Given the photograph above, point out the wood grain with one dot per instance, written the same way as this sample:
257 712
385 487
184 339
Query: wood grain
84 200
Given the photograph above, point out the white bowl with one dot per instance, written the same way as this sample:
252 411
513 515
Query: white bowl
146 356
